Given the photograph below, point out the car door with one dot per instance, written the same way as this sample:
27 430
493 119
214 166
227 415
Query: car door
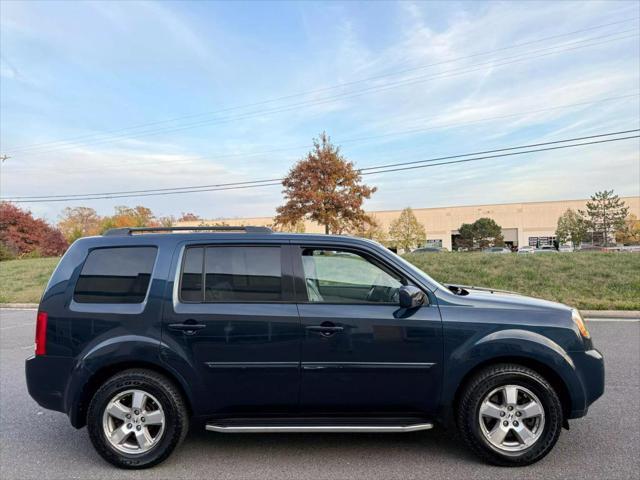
361 353
234 323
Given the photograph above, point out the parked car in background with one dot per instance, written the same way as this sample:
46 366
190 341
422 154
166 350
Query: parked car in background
565 248
430 250
526 249
546 249
243 330
497 250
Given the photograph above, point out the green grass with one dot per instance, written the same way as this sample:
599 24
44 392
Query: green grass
591 281
597 281
22 281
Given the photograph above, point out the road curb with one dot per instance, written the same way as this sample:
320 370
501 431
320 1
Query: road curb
626 314
19 306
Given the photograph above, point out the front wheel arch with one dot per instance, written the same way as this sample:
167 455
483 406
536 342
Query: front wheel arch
548 373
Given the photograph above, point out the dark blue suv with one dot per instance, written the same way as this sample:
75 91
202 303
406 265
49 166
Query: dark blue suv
142 333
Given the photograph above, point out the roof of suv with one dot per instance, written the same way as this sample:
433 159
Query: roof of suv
124 235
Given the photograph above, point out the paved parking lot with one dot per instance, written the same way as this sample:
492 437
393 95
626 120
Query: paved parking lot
39 444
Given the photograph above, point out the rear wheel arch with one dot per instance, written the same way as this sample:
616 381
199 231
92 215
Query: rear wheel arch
79 409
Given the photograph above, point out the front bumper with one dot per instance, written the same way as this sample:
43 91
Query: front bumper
589 367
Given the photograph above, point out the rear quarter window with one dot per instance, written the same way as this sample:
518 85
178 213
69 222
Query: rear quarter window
116 275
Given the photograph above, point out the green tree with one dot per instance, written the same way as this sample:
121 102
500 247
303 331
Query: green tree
406 232
467 236
326 188
482 233
605 214
571 227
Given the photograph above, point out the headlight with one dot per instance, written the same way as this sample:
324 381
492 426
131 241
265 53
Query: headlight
577 319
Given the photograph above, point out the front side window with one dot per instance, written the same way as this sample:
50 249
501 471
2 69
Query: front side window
116 275
231 274
334 276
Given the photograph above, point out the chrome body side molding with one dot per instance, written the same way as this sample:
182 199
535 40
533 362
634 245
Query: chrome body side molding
319 428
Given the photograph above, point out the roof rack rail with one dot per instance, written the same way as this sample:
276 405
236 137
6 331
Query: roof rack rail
131 230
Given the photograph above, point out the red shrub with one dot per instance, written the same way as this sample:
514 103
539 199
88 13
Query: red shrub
21 233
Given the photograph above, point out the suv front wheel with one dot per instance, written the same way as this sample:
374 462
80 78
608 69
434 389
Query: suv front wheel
509 415
136 419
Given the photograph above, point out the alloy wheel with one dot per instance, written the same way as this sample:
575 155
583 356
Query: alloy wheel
511 418
133 421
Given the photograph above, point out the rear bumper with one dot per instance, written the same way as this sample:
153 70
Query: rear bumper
47 379
589 366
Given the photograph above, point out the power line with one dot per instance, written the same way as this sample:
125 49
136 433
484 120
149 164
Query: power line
380 169
157 190
348 140
367 173
194 187
328 88
622 132
363 91
504 155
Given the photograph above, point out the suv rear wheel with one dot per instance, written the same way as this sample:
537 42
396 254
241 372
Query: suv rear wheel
136 419
509 415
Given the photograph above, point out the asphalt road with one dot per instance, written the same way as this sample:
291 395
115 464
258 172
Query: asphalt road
39 444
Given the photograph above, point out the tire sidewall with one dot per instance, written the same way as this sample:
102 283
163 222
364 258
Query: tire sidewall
171 435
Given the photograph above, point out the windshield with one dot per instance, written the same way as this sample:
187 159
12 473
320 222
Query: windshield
417 271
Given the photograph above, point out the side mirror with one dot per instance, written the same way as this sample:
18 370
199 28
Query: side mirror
411 297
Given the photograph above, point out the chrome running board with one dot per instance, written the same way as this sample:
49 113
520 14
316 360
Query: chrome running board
318 428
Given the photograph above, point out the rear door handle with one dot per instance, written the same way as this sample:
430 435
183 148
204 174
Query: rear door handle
187 327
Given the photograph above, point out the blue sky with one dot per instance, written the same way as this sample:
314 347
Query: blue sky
160 94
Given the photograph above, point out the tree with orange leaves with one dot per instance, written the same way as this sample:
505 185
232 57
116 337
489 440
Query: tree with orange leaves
138 216
326 188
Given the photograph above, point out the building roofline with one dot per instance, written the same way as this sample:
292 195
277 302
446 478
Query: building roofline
270 218
492 204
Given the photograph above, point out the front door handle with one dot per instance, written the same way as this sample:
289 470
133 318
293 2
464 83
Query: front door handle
188 327
326 329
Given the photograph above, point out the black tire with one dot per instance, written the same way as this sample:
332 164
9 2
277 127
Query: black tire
485 382
175 416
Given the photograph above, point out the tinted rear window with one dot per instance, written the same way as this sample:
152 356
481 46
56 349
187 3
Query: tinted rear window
116 275
232 274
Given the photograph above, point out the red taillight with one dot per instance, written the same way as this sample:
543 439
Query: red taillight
41 333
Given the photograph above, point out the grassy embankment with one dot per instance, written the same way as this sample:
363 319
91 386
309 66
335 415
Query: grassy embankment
607 281
591 281
22 281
